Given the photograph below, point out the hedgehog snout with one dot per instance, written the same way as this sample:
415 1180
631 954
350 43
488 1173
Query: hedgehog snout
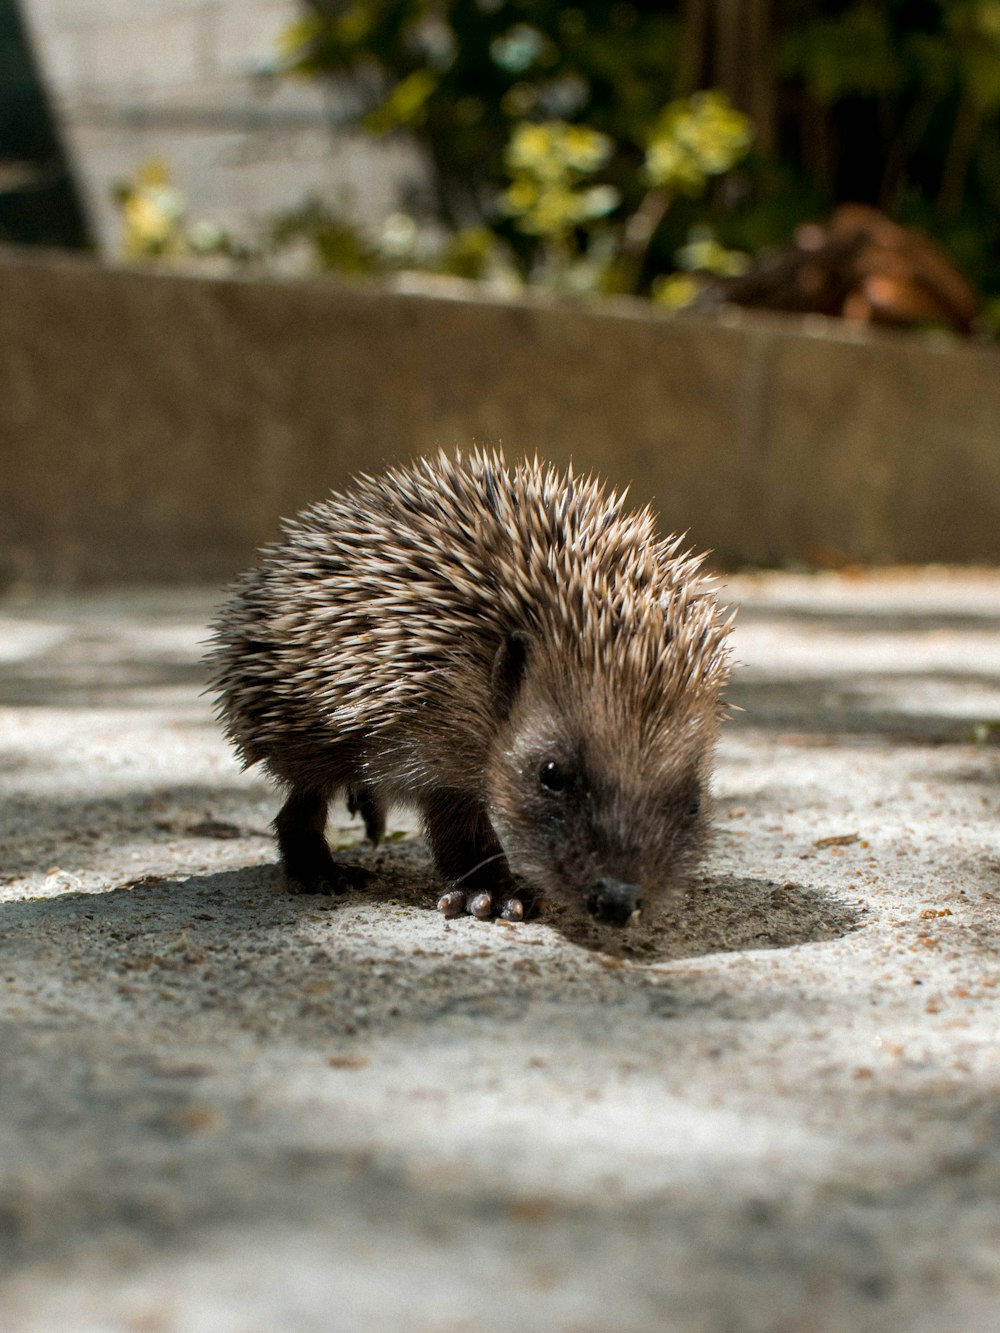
613 902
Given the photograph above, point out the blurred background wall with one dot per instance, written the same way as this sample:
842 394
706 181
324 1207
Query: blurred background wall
154 427
195 82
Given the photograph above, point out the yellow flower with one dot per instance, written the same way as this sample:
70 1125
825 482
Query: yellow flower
521 195
694 138
676 291
547 162
553 148
153 212
585 150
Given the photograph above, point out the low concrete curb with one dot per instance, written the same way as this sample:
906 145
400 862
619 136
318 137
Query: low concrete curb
153 427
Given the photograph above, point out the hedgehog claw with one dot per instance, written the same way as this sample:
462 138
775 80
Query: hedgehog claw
481 906
451 904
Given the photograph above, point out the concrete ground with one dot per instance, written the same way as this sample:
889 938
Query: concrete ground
226 1110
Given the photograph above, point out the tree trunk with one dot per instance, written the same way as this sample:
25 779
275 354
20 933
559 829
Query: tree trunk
727 44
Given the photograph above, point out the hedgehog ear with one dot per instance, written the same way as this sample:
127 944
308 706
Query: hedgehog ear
508 672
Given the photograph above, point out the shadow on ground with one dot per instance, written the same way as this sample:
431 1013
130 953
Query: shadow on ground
245 911
42 828
120 682
883 705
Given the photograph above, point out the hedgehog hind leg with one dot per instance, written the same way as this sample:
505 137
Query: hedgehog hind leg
305 854
366 802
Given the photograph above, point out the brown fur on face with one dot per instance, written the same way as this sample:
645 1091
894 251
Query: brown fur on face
441 633
590 782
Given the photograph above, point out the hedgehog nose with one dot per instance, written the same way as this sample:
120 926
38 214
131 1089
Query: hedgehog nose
614 903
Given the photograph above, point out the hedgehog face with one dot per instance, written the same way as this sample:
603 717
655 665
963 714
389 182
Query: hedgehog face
593 806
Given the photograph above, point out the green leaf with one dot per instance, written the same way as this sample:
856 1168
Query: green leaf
405 105
854 54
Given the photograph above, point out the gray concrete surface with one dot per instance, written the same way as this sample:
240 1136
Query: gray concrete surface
153 428
225 1110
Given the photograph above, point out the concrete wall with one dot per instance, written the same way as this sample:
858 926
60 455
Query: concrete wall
192 81
155 427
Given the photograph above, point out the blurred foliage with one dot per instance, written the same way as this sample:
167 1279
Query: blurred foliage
308 239
154 220
636 145
903 103
546 163
333 242
550 196
152 213
890 102
463 73
693 139
313 237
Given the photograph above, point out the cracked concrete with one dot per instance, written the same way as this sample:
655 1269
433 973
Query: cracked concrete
224 1110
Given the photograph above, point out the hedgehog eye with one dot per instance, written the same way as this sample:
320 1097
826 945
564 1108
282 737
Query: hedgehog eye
552 777
694 805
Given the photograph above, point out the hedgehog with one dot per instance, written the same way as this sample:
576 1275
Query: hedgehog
507 648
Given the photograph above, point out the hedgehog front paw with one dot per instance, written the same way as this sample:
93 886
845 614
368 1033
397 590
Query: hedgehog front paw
483 905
